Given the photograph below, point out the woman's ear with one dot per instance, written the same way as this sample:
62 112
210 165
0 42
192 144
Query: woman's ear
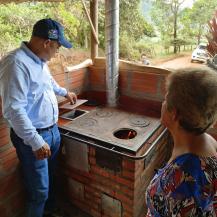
174 114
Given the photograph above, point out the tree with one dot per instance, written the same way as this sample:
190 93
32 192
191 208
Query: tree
195 19
212 36
74 20
133 27
132 21
16 22
165 14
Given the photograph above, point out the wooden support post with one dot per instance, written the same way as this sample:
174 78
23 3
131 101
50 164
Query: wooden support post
94 18
91 24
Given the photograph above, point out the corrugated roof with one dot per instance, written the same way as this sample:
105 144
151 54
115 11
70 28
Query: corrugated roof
19 1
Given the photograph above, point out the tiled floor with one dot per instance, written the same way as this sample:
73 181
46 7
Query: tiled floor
69 210
72 211
67 207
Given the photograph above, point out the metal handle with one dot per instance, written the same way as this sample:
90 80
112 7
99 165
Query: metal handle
118 152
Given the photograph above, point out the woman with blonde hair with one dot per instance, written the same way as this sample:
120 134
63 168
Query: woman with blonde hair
187 185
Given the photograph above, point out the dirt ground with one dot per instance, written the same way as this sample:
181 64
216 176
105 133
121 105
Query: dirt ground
73 57
180 62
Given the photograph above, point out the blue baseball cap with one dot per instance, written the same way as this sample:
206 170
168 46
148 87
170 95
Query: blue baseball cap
51 29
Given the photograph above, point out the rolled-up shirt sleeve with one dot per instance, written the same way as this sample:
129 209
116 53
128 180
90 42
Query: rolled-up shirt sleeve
60 91
15 97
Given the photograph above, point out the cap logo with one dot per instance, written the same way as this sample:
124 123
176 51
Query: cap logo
53 34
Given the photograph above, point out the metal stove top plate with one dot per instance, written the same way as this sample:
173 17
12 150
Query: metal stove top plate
101 123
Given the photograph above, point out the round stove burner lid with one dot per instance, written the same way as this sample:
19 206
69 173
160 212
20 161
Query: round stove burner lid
88 122
102 113
138 121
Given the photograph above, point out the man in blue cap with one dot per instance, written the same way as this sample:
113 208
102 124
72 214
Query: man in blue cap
30 107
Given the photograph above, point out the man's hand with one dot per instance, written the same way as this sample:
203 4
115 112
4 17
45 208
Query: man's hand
71 97
43 152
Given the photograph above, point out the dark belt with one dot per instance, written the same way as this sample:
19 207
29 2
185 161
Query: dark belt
39 130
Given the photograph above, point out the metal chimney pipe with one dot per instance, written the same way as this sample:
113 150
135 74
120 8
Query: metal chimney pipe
112 50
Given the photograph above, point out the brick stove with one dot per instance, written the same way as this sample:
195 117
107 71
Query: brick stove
109 156
109 125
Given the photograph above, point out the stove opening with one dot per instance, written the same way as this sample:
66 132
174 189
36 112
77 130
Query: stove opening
125 133
73 114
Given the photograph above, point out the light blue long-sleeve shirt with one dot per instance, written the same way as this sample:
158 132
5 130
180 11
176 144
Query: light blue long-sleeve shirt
28 95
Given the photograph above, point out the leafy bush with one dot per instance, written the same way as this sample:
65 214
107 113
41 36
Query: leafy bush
144 47
127 48
16 22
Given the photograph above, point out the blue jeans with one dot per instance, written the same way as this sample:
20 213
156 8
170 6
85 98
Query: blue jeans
38 174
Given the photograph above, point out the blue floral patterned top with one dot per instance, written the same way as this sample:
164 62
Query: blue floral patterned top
186 187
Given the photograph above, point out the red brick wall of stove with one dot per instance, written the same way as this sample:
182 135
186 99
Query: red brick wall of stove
11 187
143 88
76 81
128 186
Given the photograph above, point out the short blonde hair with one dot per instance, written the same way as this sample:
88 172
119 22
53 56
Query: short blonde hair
193 93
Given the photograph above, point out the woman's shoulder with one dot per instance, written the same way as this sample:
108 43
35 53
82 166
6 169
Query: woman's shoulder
189 180
195 165
187 169
188 174
211 141
186 162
